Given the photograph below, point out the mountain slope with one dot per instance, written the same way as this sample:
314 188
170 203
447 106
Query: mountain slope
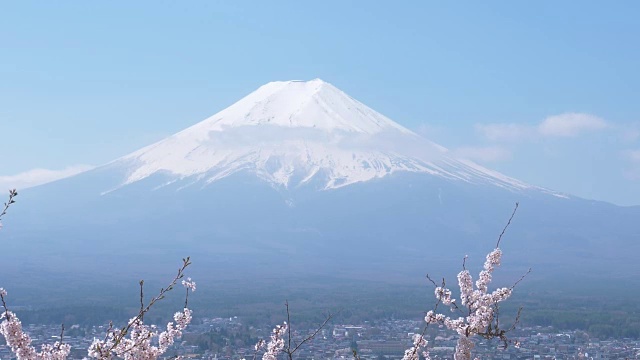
299 179
294 133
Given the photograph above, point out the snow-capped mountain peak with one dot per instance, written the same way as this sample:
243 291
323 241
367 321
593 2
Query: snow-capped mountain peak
298 104
289 133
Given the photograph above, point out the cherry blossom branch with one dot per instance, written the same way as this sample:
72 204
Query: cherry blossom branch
482 315
3 293
116 337
20 342
139 346
257 348
61 336
276 344
190 285
418 340
12 195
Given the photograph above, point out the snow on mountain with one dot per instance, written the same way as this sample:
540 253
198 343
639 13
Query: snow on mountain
238 190
298 104
290 133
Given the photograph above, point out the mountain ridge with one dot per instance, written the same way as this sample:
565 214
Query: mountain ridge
293 133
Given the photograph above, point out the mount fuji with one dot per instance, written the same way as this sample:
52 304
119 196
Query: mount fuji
295 133
300 178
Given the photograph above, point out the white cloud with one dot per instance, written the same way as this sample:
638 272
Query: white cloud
570 124
483 154
632 155
504 132
632 171
427 130
37 177
630 133
562 125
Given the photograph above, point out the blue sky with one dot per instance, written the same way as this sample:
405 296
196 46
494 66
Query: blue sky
546 92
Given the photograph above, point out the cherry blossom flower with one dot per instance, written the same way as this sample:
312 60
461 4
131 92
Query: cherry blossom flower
479 306
189 284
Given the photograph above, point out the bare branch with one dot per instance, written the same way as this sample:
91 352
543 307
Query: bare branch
141 299
517 320
288 350
61 336
311 336
506 226
431 280
4 305
12 194
291 349
521 278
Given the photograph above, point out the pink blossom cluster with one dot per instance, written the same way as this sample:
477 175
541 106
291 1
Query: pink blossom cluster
463 348
275 344
189 284
134 342
479 305
138 346
413 353
20 342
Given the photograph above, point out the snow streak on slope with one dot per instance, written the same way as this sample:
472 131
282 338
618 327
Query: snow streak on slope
290 133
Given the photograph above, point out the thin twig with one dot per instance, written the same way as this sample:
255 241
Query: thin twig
431 280
289 352
12 194
141 299
186 299
310 337
6 309
61 336
506 226
521 278
517 320
435 308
